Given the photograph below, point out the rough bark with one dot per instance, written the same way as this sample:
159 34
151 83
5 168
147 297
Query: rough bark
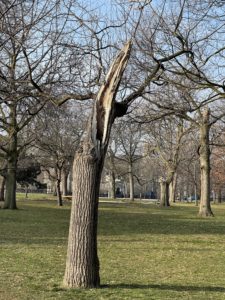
131 182
204 156
82 265
10 195
82 260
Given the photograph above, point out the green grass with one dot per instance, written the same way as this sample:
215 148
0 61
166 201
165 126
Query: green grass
35 196
145 252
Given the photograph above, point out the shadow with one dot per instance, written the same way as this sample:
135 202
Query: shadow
44 222
177 288
176 220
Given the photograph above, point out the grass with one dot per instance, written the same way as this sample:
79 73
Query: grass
145 252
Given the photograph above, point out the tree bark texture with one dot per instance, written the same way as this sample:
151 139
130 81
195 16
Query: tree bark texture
204 156
82 260
82 264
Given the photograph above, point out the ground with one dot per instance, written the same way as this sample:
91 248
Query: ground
146 252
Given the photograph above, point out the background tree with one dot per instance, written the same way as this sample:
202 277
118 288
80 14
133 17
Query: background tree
129 149
192 28
28 170
111 165
165 139
34 59
56 140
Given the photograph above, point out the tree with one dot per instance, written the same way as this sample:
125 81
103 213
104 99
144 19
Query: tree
191 27
217 172
110 165
170 149
129 152
82 265
33 61
165 140
2 179
28 170
57 138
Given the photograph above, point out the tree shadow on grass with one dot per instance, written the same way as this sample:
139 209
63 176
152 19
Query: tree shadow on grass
170 287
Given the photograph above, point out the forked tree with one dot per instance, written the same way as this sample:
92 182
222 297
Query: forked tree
82 265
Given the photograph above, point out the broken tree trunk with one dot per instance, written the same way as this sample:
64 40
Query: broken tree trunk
82 265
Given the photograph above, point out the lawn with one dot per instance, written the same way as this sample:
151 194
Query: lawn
145 252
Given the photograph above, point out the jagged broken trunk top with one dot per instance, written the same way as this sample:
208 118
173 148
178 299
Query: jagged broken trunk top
82 265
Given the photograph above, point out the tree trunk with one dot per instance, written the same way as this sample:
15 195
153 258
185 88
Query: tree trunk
82 265
26 191
131 182
2 190
82 260
218 196
64 183
196 196
59 194
204 155
164 193
54 188
69 180
172 189
112 193
10 195
171 192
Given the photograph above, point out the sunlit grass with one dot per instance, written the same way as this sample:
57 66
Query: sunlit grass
145 252
35 196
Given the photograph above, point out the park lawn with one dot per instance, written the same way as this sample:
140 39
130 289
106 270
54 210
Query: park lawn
145 252
35 196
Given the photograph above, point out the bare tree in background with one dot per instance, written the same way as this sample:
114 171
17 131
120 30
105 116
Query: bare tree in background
57 138
166 139
36 66
129 149
191 27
